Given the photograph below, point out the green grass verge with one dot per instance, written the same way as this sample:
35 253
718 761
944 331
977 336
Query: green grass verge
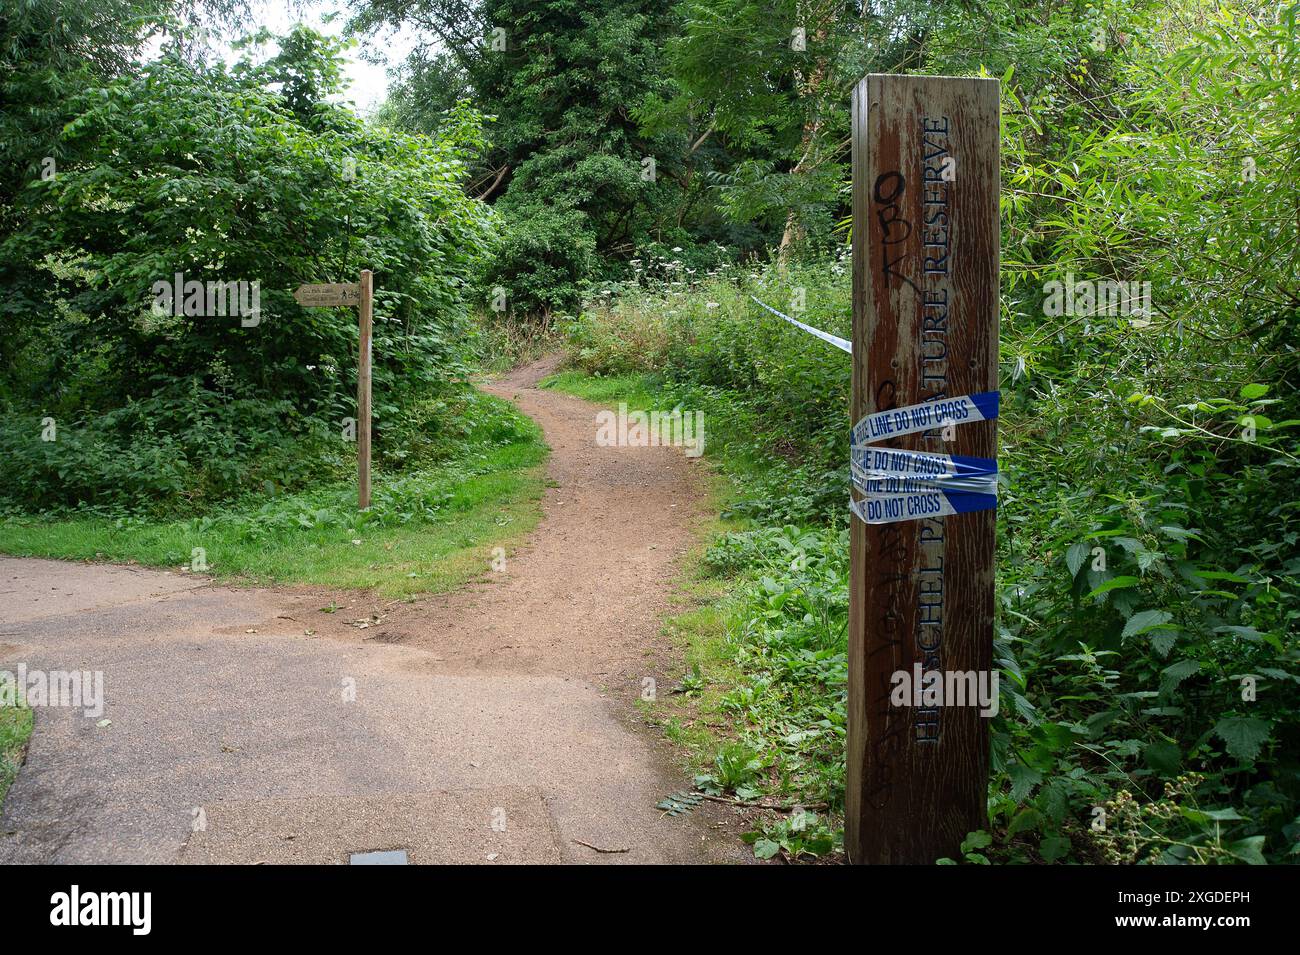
756 711
427 531
637 390
691 715
15 730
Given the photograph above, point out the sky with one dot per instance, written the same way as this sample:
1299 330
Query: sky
369 81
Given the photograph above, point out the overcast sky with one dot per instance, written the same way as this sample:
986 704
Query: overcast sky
369 81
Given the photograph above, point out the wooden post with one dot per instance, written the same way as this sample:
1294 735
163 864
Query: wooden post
925 326
365 313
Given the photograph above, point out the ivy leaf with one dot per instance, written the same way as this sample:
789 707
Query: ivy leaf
1224 815
1252 391
1249 850
1243 735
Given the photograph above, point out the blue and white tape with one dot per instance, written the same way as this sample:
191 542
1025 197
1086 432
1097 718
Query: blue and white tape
901 485
926 416
893 508
922 464
870 482
835 340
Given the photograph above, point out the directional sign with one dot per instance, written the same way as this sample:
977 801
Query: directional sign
362 295
321 296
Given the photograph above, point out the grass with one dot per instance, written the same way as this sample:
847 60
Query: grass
505 343
755 713
427 532
695 721
636 389
15 730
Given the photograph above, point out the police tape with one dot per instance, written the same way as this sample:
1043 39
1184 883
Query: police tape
913 485
925 416
902 485
873 482
923 464
835 340
893 508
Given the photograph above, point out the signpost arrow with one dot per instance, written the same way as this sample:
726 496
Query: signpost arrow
323 296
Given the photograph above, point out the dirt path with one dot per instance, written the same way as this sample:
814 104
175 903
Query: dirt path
585 597
495 724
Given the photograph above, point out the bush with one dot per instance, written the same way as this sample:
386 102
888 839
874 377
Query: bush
208 172
1124 684
174 450
545 256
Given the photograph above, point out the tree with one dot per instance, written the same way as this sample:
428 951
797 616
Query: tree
563 80
203 171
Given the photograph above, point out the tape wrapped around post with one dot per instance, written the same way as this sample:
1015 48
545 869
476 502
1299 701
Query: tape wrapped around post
925 416
922 464
901 485
892 508
875 483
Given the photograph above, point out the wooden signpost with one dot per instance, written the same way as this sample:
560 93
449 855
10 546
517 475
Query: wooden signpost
330 295
365 353
925 329
361 295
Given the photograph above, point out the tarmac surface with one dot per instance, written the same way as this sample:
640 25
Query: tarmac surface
493 725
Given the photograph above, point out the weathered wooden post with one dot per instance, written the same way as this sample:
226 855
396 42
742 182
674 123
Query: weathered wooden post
363 390
925 333
362 295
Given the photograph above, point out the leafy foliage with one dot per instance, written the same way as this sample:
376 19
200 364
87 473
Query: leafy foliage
566 167
207 173
1148 588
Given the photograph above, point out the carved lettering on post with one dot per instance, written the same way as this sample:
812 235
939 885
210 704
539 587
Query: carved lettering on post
925 328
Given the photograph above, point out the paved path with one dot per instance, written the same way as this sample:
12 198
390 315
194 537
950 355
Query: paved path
496 724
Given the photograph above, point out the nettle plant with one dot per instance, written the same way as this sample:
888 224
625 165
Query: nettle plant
1146 634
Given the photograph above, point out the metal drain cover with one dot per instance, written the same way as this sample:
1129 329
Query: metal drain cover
390 857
